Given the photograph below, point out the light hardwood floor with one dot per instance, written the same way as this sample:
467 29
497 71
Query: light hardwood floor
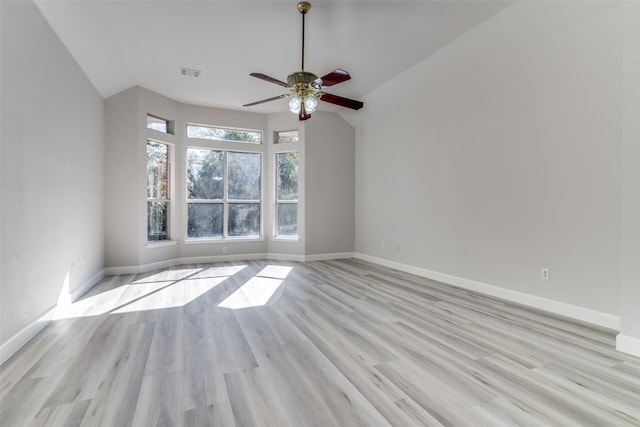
335 343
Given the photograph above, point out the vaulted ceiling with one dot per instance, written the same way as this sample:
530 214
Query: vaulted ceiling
120 44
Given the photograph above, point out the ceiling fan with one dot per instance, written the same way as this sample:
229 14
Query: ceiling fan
305 88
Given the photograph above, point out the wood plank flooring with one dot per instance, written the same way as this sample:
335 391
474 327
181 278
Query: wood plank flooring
333 343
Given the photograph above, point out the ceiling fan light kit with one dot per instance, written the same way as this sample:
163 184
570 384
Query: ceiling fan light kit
305 88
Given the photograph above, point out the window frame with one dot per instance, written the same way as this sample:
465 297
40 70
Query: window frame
168 124
225 128
276 137
168 199
278 202
225 201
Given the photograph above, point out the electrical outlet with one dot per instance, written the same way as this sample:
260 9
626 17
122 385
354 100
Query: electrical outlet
382 244
544 274
224 250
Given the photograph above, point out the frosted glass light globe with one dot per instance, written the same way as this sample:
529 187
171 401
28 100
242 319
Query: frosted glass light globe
310 104
294 104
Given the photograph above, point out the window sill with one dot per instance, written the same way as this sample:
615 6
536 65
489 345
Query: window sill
204 241
286 239
161 244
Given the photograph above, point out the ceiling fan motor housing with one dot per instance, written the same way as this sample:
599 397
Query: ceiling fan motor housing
301 77
304 83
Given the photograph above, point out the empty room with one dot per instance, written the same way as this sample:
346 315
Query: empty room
325 213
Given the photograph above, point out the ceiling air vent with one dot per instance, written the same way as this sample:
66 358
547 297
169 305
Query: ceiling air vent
190 72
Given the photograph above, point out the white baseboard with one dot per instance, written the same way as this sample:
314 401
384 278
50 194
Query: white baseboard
15 343
144 268
628 344
579 313
286 257
86 287
328 257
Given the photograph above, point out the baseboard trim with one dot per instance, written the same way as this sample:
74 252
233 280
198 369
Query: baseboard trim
556 307
16 342
144 268
86 287
628 344
328 257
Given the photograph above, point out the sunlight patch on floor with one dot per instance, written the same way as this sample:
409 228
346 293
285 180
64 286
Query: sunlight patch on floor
258 290
171 295
154 291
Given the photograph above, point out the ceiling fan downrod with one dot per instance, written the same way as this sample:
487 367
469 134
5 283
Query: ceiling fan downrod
303 8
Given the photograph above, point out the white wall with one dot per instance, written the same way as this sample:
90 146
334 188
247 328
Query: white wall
512 163
329 185
629 337
123 178
52 171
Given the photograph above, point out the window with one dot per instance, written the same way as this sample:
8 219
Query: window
287 194
223 193
221 134
157 191
283 137
156 123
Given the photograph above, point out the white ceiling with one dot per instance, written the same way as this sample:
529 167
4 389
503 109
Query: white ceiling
120 44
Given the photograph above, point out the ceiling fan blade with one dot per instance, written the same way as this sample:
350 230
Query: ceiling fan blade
335 77
269 79
343 102
266 100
